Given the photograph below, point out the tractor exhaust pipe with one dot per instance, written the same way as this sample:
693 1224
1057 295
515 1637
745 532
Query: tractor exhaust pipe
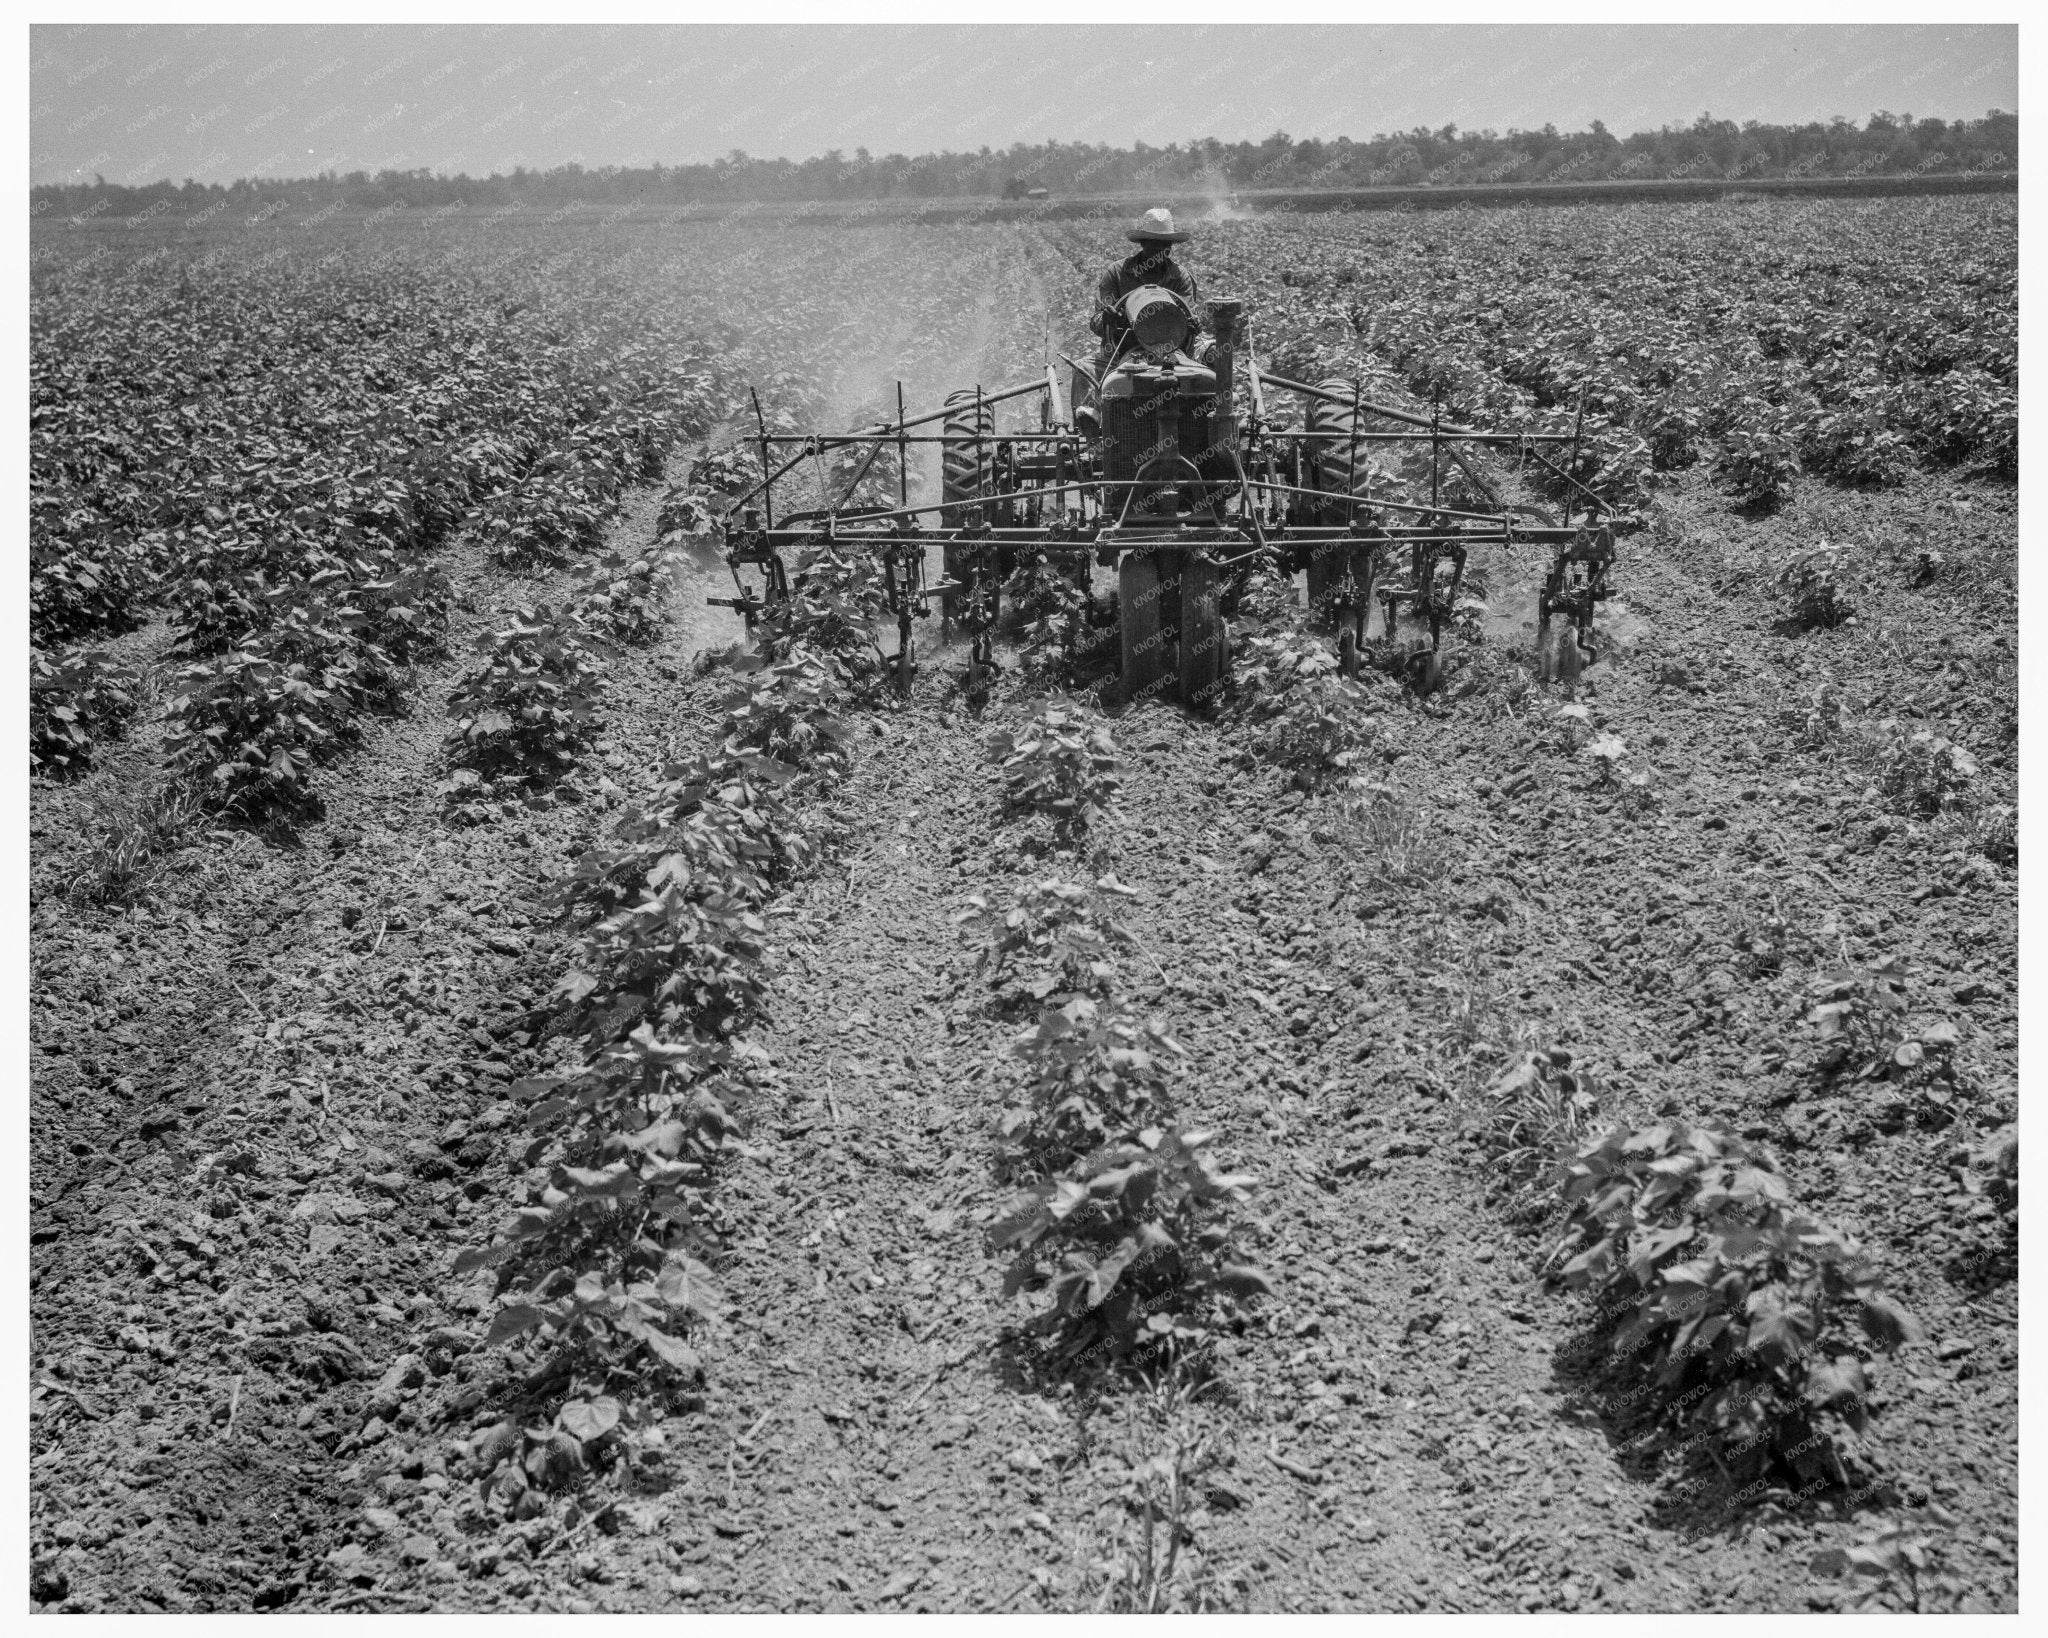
1224 318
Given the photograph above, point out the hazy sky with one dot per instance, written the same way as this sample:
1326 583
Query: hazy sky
137 102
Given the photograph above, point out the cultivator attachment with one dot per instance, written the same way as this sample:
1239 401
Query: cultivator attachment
1577 582
1156 480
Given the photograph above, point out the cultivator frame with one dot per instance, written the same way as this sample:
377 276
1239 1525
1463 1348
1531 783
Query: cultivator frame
1199 500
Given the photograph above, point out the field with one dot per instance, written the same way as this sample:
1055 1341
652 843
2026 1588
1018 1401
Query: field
536 1107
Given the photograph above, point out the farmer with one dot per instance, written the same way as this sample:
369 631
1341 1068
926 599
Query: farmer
1151 263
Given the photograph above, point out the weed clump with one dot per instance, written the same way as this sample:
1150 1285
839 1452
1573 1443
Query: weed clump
1531 1121
1922 771
1157 1564
1816 588
1392 843
135 836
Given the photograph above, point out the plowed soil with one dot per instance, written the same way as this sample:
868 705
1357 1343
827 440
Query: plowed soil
270 1105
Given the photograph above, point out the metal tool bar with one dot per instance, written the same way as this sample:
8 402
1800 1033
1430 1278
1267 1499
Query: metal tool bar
848 440
889 435
1259 484
986 398
1423 437
1130 535
1374 504
1388 412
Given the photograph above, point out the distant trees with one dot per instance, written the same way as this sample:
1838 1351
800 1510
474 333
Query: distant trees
1886 144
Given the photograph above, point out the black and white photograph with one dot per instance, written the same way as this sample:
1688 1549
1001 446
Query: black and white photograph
1022 812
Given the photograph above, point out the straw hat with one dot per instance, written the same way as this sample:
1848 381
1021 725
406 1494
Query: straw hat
1156 227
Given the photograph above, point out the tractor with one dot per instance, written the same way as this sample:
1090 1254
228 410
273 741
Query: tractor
1148 471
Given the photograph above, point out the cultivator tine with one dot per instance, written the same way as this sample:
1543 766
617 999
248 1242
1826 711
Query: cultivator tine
1572 461
902 452
767 478
903 580
1436 460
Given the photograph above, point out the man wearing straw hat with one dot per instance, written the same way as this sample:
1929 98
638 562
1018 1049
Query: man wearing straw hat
1151 263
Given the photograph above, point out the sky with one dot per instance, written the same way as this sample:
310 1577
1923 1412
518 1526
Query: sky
141 102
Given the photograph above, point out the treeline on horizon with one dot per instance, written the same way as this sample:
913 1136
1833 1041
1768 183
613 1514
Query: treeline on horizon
1887 145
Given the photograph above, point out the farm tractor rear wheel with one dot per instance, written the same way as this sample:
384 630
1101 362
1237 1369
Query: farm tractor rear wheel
964 477
1332 470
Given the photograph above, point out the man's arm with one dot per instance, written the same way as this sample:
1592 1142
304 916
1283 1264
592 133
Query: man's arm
1105 304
